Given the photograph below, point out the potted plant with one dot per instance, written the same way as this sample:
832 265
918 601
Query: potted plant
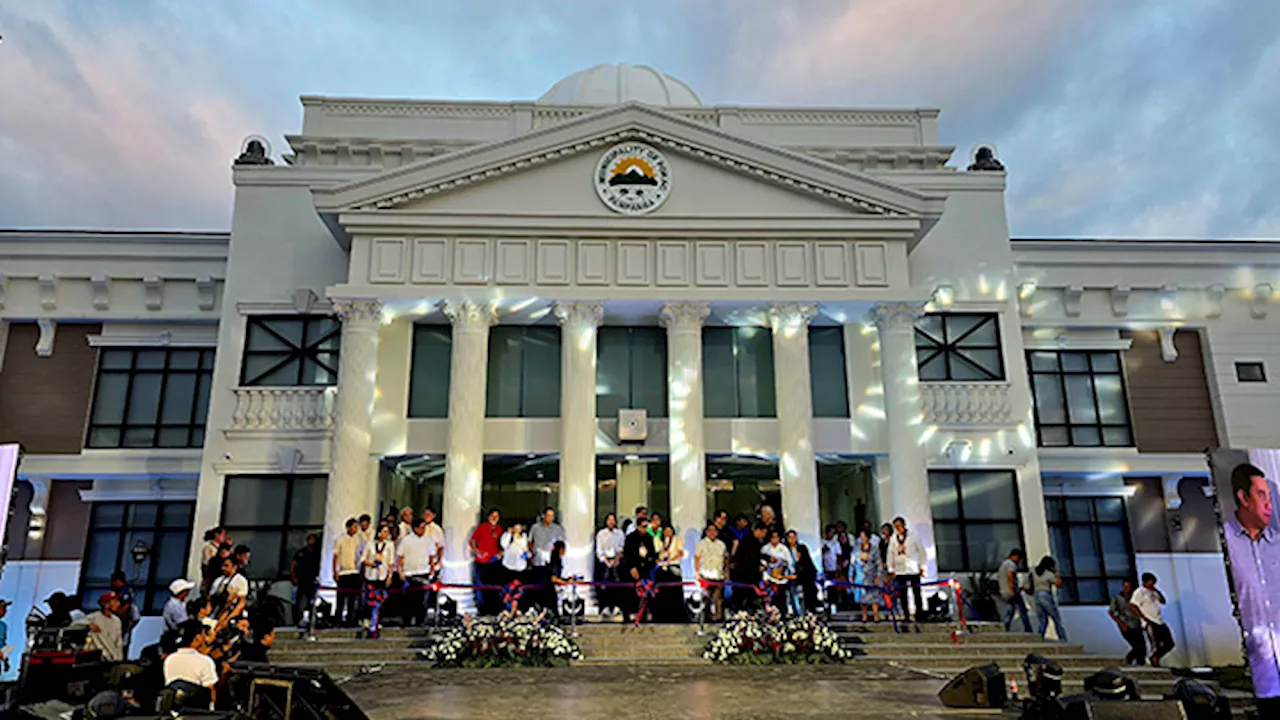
981 595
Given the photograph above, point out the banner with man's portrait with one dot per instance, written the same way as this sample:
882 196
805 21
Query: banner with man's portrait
1246 488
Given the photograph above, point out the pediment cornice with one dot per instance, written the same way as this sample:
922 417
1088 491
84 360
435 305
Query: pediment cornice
859 193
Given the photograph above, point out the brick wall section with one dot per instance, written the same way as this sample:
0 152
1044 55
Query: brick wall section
44 402
1172 410
67 526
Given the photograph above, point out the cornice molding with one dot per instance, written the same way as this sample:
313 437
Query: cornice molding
769 163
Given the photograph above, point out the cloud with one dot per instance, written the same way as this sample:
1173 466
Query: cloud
1113 118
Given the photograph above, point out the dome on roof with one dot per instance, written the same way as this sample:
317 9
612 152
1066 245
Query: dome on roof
613 84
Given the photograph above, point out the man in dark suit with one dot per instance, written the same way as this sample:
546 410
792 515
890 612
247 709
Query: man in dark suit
744 567
638 558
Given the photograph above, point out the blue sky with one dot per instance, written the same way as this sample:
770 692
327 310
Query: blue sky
1152 118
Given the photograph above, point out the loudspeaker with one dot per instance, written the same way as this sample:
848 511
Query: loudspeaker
290 694
1125 710
978 687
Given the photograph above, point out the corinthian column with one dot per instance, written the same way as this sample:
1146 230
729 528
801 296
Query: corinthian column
578 321
347 492
683 322
464 461
904 416
790 325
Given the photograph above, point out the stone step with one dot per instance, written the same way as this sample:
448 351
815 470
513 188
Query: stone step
948 650
605 662
1008 662
944 639
925 628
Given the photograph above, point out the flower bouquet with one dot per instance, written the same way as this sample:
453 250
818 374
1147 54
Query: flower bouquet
510 640
762 640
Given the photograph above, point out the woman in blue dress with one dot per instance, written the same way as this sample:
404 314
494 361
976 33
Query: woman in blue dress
867 572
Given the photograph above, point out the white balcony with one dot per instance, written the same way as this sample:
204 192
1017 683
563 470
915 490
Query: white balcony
967 404
283 409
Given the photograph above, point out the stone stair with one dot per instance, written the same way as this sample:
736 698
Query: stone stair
947 650
648 644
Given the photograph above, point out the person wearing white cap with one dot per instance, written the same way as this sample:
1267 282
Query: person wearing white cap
175 610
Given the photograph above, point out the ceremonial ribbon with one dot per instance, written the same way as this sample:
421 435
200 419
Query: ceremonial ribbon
646 589
375 597
511 596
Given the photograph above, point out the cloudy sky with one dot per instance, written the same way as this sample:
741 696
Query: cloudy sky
1115 117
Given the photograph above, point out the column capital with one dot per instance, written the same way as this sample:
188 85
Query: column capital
358 311
784 315
896 316
579 314
686 316
470 314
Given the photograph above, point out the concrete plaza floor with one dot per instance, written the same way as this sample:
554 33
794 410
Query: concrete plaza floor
670 692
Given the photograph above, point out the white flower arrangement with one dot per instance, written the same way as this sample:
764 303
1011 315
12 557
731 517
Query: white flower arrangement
755 639
506 641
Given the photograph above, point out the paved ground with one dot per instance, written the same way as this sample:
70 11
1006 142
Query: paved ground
863 690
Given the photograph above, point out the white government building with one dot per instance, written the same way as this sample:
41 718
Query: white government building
616 295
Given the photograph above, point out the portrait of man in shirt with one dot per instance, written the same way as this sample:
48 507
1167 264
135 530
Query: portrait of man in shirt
1254 551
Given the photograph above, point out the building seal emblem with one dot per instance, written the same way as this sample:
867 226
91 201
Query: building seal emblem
632 178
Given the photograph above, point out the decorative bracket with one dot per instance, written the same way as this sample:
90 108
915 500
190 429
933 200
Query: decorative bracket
47 286
1071 300
1026 293
101 285
1168 351
3 282
1214 294
153 292
304 299
48 330
288 458
1172 498
38 507
1120 300
205 292
1258 303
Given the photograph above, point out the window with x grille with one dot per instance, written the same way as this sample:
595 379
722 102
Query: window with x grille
959 346
291 350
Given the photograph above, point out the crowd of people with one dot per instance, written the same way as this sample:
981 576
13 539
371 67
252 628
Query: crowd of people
204 634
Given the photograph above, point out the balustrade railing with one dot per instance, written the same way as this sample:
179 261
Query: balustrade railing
958 403
283 408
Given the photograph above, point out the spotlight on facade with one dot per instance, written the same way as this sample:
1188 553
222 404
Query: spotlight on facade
140 551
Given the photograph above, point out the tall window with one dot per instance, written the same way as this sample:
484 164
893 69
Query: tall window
429 376
291 350
631 370
147 398
1080 399
737 373
163 529
976 518
272 515
524 372
959 346
828 380
1090 540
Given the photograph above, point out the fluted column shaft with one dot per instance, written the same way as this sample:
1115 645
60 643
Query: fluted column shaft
464 462
904 416
348 490
688 489
790 325
578 321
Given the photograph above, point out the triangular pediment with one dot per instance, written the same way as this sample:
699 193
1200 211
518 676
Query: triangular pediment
729 173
